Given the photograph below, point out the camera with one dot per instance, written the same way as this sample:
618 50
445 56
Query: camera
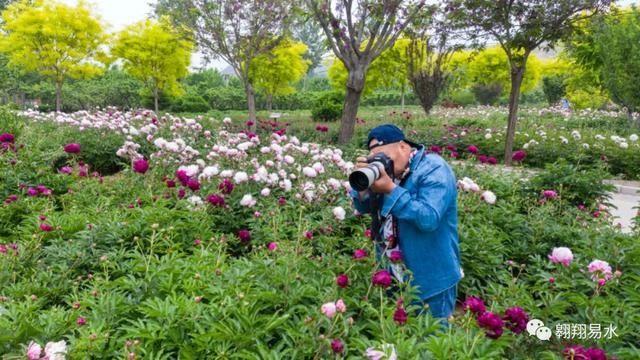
362 179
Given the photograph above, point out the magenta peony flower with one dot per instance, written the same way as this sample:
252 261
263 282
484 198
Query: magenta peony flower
140 166
193 184
492 323
575 352
337 346
552 280
182 193
83 170
282 200
483 159
342 280
395 256
215 200
474 304
368 233
32 192
308 234
435 149
472 149
273 246
561 255
492 161
549 194
596 354
81 321
72 148
244 235
7 138
516 319
359 254
400 316
381 278
226 186
518 155
182 176
66 170
170 183
46 227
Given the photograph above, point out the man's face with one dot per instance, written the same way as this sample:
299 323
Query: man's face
396 151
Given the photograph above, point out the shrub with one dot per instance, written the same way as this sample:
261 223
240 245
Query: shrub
487 94
191 103
554 88
328 107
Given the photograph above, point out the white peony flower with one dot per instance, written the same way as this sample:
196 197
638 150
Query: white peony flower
339 213
489 197
624 145
240 177
289 159
56 350
247 200
265 192
309 172
633 137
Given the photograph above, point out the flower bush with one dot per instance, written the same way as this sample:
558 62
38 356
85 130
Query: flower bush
186 255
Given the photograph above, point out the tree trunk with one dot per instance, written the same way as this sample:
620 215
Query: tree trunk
355 85
58 96
269 102
251 102
155 99
517 74
402 91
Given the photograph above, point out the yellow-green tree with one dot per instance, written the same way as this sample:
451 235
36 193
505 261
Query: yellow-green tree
492 66
53 39
156 54
276 71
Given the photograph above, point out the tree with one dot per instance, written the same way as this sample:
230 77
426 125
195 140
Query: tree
155 54
54 40
609 45
233 30
349 24
309 32
520 26
276 71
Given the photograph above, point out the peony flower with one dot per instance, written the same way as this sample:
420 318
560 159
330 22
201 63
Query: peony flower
474 304
359 254
374 354
381 278
516 319
395 256
633 137
472 149
247 200
575 352
329 309
400 316
273 246
66 170
46 227
72 148
244 235
561 255
339 213
337 346
215 200
492 161
140 166
596 354
341 306
240 177
34 350
492 323
56 350
226 186
489 197
549 194
265 192
518 155
309 172
7 138
81 321
342 280
600 270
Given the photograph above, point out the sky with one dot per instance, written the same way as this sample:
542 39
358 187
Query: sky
120 13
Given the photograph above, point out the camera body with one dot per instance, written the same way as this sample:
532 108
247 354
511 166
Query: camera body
363 178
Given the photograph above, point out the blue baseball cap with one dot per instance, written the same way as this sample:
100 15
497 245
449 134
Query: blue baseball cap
387 134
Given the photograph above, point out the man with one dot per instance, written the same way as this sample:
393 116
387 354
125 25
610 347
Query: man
418 217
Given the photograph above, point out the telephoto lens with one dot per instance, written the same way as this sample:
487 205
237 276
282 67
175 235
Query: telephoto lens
363 178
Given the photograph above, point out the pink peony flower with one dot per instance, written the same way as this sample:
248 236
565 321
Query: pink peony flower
359 254
226 186
81 321
474 304
561 255
193 184
66 170
72 148
552 280
337 346
395 256
381 278
341 306
46 227
308 235
216 200
516 319
518 155
549 194
273 246
34 350
342 280
244 235
600 270
492 323
596 354
400 316
329 309
472 149
140 166
368 233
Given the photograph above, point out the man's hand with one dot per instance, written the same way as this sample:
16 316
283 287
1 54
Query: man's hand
384 184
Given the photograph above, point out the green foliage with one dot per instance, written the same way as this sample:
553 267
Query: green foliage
327 107
487 94
275 72
554 88
190 102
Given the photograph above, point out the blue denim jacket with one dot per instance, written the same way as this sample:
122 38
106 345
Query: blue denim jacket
426 211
